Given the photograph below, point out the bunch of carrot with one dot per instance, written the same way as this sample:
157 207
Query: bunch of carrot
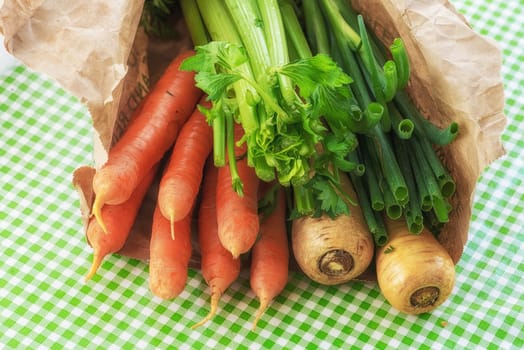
169 137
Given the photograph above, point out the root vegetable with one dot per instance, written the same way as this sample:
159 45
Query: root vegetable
237 216
219 268
169 258
182 178
414 272
151 133
119 219
270 256
333 251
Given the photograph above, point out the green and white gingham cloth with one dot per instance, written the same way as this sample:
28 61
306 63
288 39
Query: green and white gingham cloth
44 304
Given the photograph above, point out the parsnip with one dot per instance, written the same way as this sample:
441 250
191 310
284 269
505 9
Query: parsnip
414 272
333 251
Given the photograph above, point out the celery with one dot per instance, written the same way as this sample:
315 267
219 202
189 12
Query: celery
294 32
198 32
319 97
288 109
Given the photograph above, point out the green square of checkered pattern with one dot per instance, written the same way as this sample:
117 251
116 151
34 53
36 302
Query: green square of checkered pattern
46 134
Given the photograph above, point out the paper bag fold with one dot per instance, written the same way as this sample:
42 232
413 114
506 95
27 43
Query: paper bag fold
83 45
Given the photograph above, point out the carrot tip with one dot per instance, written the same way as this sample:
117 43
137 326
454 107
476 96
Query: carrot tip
172 219
234 252
215 297
97 260
97 212
264 303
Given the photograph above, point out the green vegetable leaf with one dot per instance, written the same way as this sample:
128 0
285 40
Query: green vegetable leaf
327 196
332 103
215 57
371 116
216 85
340 143
390 80
310 73
325 87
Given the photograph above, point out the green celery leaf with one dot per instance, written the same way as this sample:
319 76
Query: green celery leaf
337 145
216 85
215 56
332 103
330 201
311 72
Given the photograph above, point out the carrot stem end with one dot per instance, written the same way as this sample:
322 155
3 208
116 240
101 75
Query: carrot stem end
264 303
97 261
172 219
97 212
215 297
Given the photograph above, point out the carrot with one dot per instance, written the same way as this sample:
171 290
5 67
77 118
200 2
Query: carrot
149 135
333 251
237 215
218 266
181 180
169 258
270 256
119 219
414 272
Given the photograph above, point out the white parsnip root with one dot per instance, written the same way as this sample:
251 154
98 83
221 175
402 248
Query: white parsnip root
333 251
414 272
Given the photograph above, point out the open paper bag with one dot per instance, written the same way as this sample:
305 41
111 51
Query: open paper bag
96 51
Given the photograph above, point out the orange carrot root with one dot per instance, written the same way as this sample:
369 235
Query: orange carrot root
182 177
169 259
237 216
119 219
218 266
270 256
215 298
97 261
96 211
151 132
172 223
264 304
239 237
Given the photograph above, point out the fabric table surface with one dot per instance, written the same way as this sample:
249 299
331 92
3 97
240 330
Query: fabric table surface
45 134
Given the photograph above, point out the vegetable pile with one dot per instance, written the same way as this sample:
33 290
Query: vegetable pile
288 129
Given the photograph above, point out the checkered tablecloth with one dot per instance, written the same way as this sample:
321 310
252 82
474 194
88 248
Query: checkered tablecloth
45 134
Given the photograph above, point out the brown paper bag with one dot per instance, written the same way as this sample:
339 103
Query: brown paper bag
85 46
456 76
